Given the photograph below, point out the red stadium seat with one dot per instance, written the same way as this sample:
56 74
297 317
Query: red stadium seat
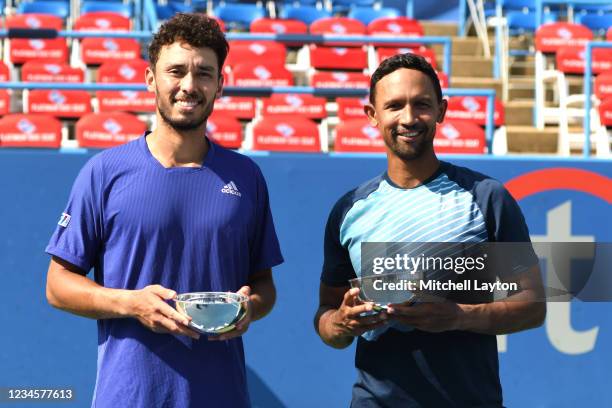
306 106
603 85
123 71
102 21
256 52
570 60
357 135
605 112
443 79
474 109
126 101
550 37
340 80
96 51
339 26
609 34
341 58
351 108
23 50
5 74
248 74
404 26
459 137
289 134
224 130
61 104
34 71
26 130
278 26
241 107
101 130
33 20
428 54
5 102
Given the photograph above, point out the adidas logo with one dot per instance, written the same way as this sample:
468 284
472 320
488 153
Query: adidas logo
230 188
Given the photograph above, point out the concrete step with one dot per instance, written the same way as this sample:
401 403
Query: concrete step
478 83
470 66
519 113
527 139
463 46
522 67
436 28
521 87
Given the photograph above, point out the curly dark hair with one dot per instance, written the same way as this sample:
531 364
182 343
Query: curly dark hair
196 29
409 61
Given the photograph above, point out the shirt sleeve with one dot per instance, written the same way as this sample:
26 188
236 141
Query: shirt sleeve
506 224
337 266
265 248
77 236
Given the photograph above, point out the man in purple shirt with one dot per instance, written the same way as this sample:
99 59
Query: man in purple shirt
168 213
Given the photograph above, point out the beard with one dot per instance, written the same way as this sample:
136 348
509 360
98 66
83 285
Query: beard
183 122
416 147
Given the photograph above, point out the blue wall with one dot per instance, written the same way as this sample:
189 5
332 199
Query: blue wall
288 364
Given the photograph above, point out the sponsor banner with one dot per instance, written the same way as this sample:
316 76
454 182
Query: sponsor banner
340 80
225 130
123 71
459 137
242 107
292 134
550 37
96 51
571 60
474 109
5 102
428 54
34 71
66 104
351 108
127 101
256 52
307 106
102 21
102 130
24 50
357 135
23 130
338 58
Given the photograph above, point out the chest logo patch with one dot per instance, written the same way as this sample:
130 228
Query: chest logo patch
230 188
64 220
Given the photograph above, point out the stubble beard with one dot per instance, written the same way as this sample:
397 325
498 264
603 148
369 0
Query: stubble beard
419 146
184 124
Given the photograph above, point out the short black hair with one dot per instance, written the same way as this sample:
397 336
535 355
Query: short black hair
409 61
196 29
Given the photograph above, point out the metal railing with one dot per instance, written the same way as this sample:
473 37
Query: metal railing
265 91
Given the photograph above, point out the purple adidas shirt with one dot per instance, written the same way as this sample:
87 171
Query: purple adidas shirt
188 229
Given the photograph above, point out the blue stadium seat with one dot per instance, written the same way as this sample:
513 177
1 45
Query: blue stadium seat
239 16
60 9
520 22
598 23
344 6
367 15
108 6
306 14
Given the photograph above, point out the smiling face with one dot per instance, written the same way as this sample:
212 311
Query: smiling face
406 110
186 82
